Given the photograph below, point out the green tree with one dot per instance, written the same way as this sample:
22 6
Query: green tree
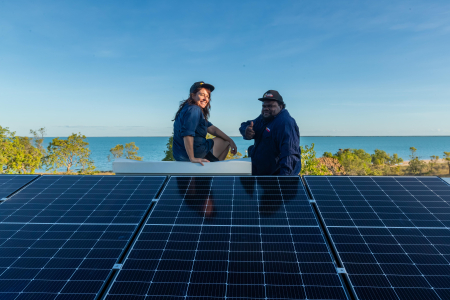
70 153
18 154
169 151
356 162
310 164
447 158
116 152
415 166
327 154
433 162
385 163
129 151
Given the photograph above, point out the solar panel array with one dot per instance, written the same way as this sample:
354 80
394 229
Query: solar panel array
11 183
61 235
94 237
391 233
230 237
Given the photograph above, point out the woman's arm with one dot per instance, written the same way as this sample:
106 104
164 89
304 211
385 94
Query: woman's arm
189 145
219 133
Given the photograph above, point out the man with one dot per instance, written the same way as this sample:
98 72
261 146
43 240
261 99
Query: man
276 150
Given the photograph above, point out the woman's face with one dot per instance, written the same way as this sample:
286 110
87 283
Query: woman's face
201 97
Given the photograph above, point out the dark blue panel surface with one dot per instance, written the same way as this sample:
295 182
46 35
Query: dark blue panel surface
48 261
250 201
82 199
382 201
233 237
395 263
11 183
391 233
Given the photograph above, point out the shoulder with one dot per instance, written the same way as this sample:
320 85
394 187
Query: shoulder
286 118
193 109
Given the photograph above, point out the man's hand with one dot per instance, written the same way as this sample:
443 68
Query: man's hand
249 133
199 160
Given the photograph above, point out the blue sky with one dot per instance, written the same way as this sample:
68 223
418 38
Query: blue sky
116 68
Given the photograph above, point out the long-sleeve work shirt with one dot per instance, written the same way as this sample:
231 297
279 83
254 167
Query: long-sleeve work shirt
276 149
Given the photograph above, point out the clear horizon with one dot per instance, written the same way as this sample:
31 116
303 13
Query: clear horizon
110 69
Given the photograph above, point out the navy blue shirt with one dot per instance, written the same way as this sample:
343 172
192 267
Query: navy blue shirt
276 149
191 122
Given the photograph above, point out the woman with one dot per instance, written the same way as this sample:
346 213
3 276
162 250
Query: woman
191 126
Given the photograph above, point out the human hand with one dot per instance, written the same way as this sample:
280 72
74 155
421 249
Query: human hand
249 133
199 160
233 147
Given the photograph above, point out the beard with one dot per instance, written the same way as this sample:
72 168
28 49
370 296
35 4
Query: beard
268 118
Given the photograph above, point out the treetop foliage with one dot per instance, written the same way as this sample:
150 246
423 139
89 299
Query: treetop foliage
129 151
69 153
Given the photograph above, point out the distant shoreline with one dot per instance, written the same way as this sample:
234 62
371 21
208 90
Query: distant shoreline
300 136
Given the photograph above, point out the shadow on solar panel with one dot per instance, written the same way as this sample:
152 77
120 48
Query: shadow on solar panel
233 237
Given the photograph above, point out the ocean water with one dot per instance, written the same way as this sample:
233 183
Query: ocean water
152 148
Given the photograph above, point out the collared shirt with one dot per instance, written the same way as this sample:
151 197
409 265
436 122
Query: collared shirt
276 148
191 122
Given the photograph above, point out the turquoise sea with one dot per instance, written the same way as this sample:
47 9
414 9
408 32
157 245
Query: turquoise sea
152 148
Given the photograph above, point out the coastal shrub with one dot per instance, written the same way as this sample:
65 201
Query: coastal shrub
415 166
333 165
169 151
19 154
310 164
356 162
385 163
72 152
447 158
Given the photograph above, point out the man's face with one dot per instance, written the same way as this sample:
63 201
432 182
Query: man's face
201 97
270 109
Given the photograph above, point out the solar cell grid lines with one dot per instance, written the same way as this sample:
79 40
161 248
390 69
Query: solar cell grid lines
11 183
232 238
82 199
382 201
251 201
61 235
48 261
391 233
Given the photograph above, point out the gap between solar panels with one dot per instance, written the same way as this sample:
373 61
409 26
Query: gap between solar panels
12 184
340 267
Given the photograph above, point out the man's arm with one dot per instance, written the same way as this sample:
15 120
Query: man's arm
289 150
247 130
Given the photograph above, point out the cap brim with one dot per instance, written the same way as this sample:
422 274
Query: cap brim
268 99
207 86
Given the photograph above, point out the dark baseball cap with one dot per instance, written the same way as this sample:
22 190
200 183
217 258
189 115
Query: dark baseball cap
201 84
271 95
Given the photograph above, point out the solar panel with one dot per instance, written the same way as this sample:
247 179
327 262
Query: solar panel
230 237
82 199
52 261
382 201
62 235
11 183
391 233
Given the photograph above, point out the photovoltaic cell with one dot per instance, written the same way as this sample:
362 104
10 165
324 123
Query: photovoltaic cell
61 235
11 183
230 237
82 199
391 233
52 261
382 201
